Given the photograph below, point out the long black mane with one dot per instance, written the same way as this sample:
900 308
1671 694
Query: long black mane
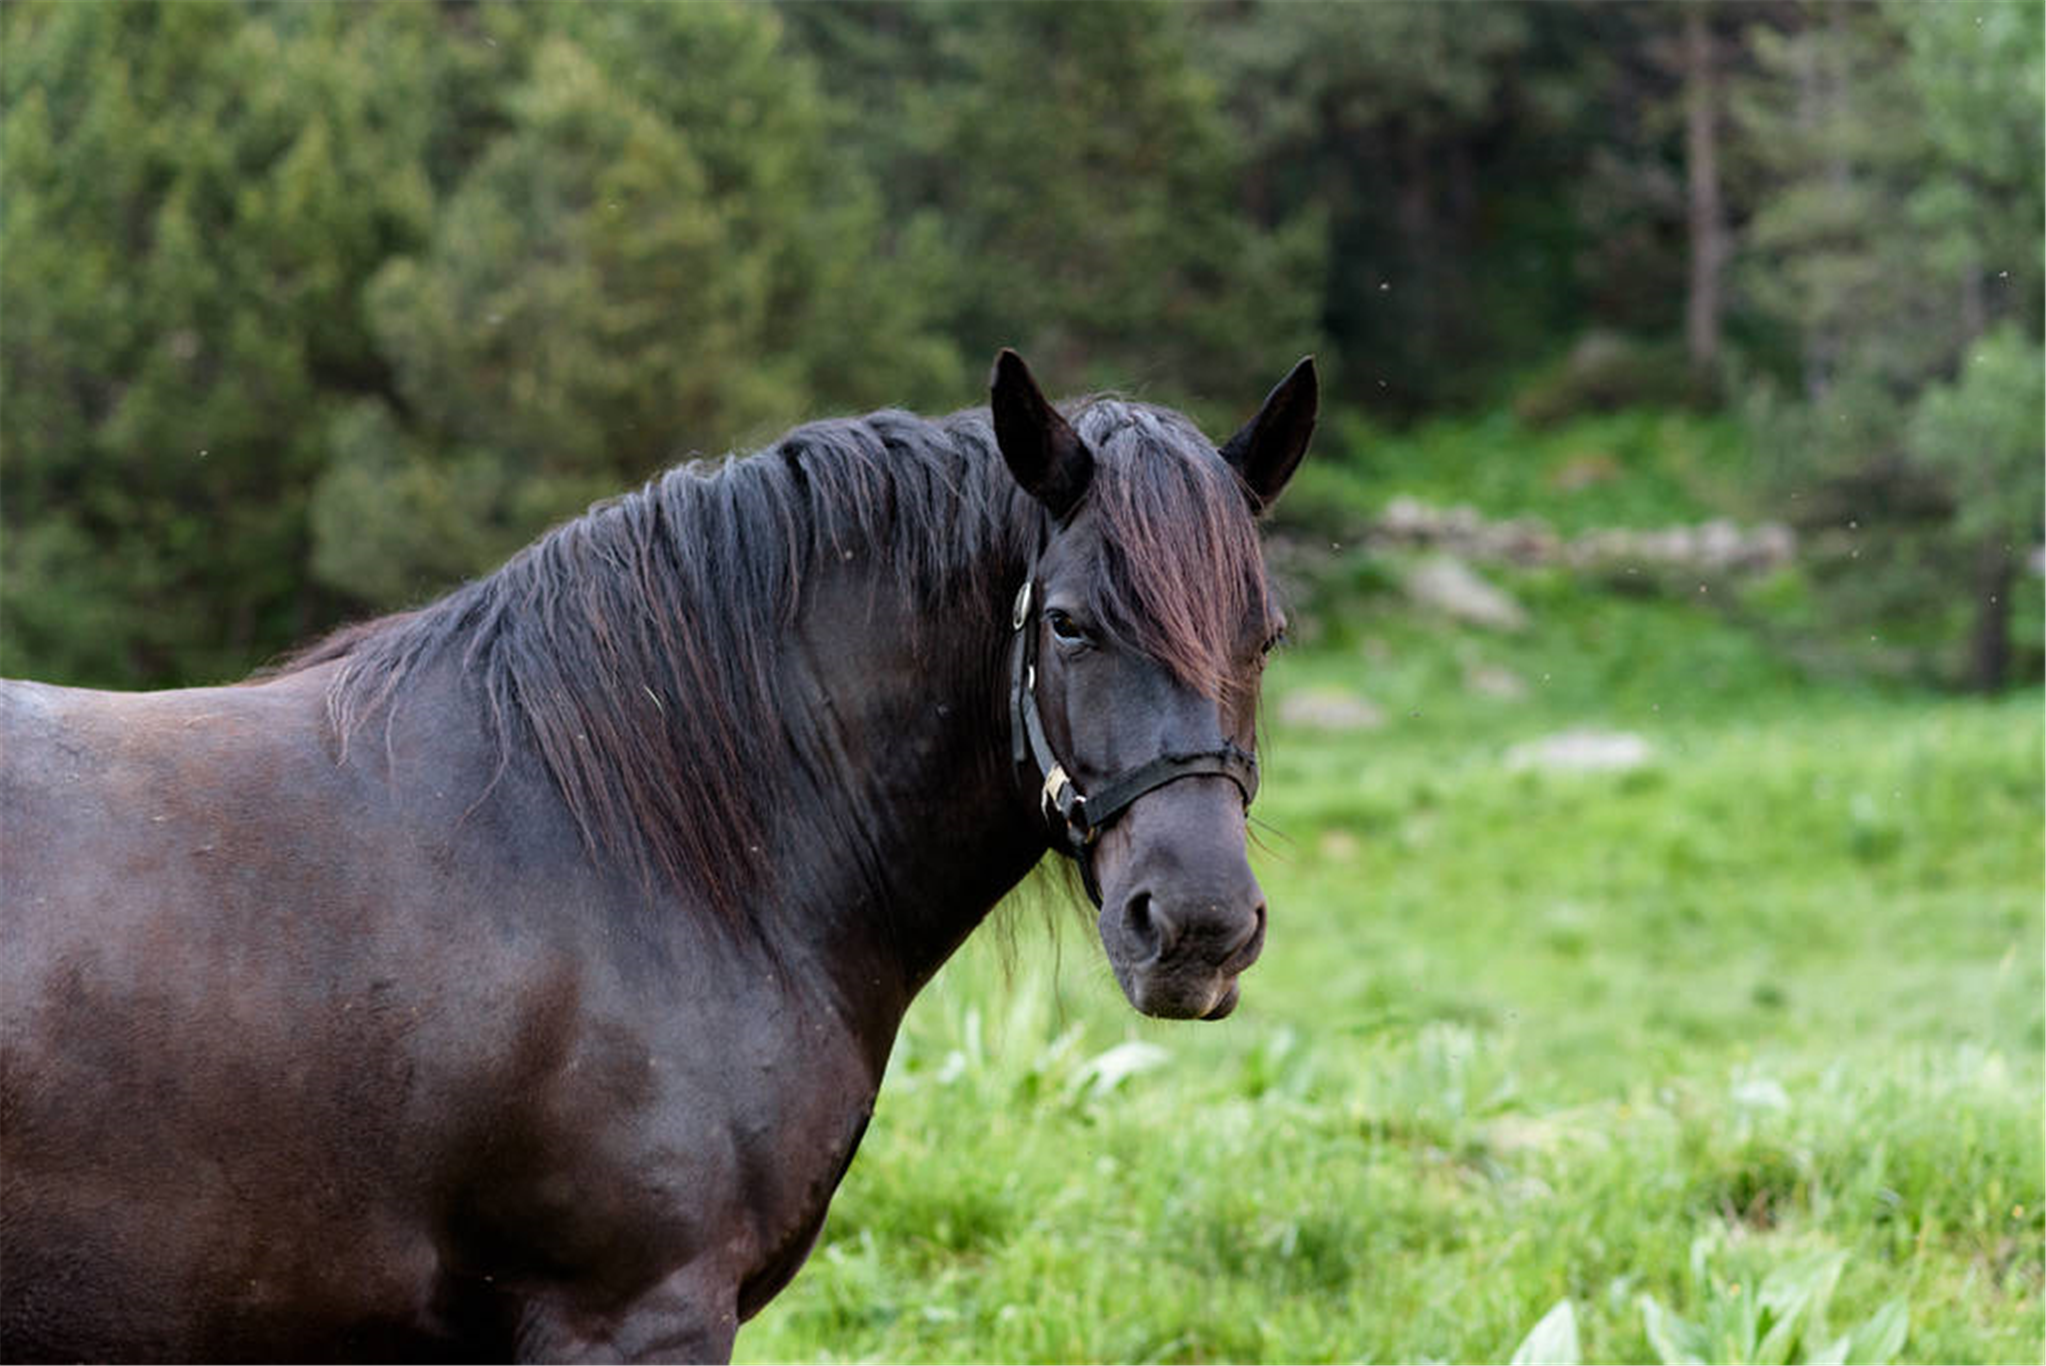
639 648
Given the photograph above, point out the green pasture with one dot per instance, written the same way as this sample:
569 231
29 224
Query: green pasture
1736 1053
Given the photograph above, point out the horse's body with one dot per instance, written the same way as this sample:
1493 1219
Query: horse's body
282 1085
365 1011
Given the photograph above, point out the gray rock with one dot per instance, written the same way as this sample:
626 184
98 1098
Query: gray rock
1582 751
1494 680
1329 709
1450 586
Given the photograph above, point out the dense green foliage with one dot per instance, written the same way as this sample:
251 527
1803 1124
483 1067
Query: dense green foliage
193 203
312 310
1898 219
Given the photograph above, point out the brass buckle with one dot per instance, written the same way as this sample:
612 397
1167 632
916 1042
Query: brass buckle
1055 782
1056 787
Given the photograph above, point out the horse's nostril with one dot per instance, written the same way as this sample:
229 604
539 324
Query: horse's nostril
1151 930
1139 913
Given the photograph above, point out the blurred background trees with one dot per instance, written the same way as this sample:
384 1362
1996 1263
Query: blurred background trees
308 311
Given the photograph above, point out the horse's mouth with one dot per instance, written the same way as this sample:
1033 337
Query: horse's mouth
1231 994
1179 1000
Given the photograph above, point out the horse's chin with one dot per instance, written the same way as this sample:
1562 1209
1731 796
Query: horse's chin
1176 998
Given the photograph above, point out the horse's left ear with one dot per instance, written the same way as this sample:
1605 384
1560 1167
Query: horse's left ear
1042 450
1268 449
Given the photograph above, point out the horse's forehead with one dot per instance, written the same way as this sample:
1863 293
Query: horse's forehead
1093 542
1144 433
1087 556
1146 424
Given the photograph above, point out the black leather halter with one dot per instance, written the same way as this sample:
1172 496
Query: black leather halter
1076 819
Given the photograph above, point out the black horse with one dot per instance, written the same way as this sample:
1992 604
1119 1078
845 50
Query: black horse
513 977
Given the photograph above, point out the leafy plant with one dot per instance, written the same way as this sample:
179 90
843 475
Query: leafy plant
1552 1341
1774 1321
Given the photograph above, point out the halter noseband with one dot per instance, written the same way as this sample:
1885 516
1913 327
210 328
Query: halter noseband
1076 819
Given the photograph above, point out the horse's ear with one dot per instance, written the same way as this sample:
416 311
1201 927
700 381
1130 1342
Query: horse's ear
1268 449
1042 450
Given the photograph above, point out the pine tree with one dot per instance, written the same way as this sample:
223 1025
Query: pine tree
655 256
194 195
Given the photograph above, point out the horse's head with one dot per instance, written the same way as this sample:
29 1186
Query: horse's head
1141 633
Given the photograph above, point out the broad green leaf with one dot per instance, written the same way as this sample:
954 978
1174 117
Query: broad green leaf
1833 1353
1674 1341
1552 1341
1108 1070
1794 1295
1878 1341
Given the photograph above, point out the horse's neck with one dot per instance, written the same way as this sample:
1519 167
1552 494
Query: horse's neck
919 823
897 821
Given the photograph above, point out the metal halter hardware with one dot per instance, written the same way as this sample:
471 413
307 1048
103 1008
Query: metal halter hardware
1077 819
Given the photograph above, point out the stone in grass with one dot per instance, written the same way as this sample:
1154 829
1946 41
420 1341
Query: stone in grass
1582 751
1337 846
1451 587
1329 709
1495 681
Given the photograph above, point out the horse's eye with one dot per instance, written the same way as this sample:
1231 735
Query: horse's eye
1064 628
1274 641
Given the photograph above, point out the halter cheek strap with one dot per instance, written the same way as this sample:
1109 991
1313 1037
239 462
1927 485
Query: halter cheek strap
1076 819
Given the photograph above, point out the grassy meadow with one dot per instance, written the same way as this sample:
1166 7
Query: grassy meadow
1735 1055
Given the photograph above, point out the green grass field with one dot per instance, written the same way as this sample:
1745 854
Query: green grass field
1738 1053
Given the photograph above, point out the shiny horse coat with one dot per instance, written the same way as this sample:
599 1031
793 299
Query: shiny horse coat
513 978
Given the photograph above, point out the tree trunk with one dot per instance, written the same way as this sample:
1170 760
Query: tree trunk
1707 219
1974 302
1989 645
1419 229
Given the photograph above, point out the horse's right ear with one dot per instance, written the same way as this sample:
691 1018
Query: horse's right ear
1042 450
1268 449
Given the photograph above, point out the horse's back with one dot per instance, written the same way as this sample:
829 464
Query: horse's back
101 792
140 814
177 891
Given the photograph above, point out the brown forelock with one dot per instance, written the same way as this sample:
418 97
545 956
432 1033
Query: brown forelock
1182 570
637 648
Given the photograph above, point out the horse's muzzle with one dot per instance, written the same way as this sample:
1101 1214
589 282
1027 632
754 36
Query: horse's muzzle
1194 957
1181 913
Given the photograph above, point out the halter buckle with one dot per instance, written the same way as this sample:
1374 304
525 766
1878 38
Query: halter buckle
1021 613
1055 784
1064 803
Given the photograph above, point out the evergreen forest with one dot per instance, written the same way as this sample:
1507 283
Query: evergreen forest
312 310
